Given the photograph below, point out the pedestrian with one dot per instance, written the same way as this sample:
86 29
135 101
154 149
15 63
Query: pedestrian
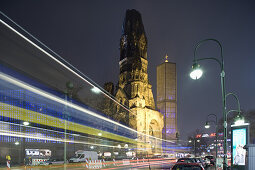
30 161
26 161
8 161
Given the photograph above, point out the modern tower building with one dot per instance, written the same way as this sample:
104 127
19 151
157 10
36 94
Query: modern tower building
167 97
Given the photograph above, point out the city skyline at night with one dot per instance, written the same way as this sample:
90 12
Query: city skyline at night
86 37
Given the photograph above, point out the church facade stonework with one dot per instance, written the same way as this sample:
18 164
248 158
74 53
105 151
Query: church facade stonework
133 88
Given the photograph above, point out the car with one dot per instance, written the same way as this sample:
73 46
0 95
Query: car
201 161
207 162
52 161
187 160
82 156
187 166
211 159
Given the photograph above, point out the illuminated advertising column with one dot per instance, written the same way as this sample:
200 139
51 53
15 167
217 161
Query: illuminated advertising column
239 138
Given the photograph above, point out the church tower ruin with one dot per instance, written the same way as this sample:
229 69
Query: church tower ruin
134 89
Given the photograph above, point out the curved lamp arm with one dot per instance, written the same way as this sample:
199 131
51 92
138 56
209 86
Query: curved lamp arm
238 103
214 115
232 111
221 62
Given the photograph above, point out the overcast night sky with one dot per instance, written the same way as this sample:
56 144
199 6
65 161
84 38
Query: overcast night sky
87 33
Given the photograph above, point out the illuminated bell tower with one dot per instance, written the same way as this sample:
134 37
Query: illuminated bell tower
134 89
133 63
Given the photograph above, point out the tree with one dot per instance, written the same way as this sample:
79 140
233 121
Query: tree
250 118
197 146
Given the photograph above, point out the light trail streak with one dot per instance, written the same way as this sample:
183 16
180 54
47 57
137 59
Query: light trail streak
24 135
141 163
7 110
5 132
48 130
56 99
42 137
47 95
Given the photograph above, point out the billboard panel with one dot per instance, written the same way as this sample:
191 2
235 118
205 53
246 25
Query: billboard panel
239 141
239 138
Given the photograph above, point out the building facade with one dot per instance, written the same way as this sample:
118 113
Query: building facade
167 98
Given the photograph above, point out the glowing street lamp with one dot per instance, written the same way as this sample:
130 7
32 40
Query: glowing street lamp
207 125
239 120
196 72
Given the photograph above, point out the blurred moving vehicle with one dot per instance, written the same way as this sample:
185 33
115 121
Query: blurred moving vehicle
187 166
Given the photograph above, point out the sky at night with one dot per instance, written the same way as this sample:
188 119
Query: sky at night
87 34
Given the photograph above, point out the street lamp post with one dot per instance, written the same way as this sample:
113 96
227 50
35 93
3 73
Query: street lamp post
69 87
197 141
194 144
207 125
197 73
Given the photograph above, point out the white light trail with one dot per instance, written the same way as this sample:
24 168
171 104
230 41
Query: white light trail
24 135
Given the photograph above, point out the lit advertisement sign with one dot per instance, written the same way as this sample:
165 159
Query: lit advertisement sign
198 136
212 134
205 135
238 142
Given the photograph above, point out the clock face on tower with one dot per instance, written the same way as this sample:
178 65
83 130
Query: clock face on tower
124 41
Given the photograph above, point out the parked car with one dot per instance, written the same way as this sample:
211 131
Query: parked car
201 161
207 162
82 156
211 159
52 161
187 166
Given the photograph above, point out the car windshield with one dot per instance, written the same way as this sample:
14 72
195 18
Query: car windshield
51 159
198 159
187 167
209 157
77 156
186 160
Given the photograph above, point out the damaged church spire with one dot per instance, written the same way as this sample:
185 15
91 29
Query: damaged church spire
133 42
